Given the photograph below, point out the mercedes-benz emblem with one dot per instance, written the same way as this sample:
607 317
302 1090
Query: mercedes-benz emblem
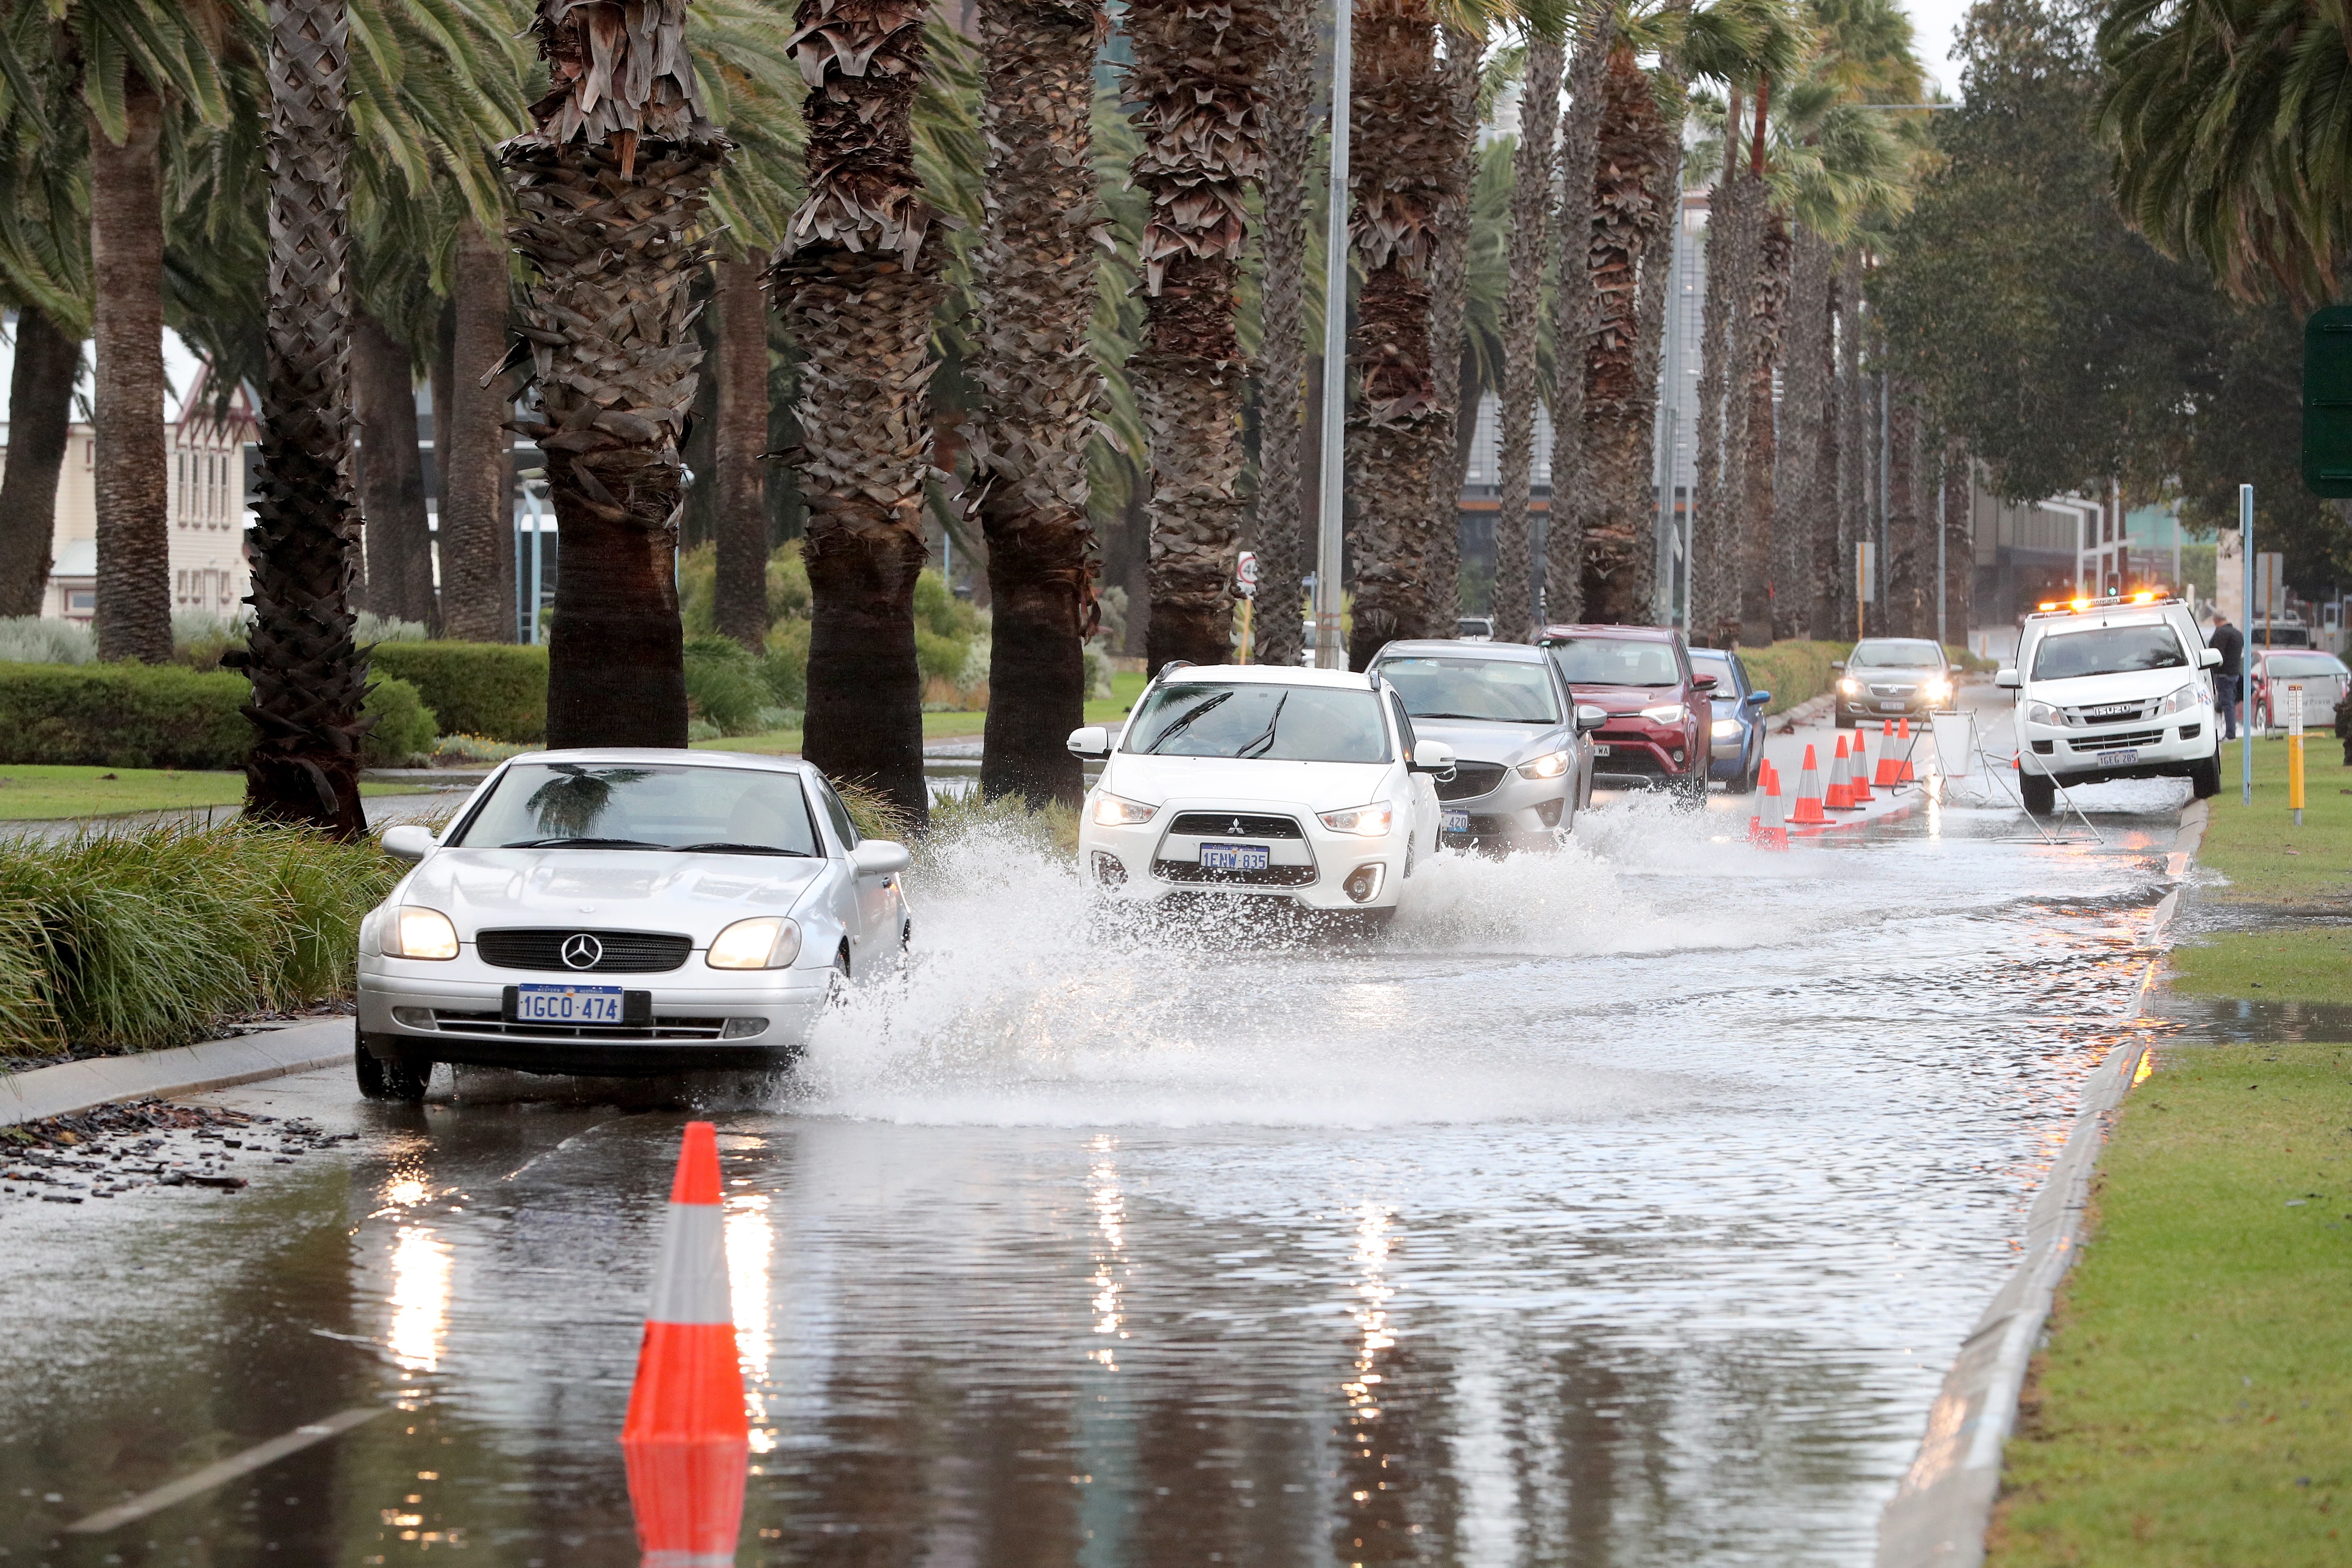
582 951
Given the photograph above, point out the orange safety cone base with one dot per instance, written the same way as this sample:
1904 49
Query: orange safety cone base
688 1500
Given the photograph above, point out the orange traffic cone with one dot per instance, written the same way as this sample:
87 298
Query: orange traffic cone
1902 771
1771 829
1890 767
686 1439
1763 789
1809 793
1857 793
1839 796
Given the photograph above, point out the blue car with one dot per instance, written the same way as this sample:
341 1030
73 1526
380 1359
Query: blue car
1736 748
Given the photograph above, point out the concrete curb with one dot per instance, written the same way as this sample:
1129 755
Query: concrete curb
70 1086
1944 1507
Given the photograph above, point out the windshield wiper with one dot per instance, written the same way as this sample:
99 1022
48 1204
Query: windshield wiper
1173 730
1486 718
742 849
1264 742
582 842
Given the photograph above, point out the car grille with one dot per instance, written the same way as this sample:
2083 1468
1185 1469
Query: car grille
1193 876
1629 758
1893 690
1233 824
2108 713
1470 781
453 1022
624 952
2111 743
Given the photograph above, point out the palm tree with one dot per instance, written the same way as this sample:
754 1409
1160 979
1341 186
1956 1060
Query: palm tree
1804 569
40 414
1449 300
1281 533
611 181
1529 244
470 446
740 602
1404 134
309 677
390 477
1035 277
1196 77
857 281
1574 308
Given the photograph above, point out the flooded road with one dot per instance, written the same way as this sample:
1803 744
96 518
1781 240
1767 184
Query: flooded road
1620 1207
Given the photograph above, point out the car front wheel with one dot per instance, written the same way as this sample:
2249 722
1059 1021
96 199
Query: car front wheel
2040 792
402 1079
2205 778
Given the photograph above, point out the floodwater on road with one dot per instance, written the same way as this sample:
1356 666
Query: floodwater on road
1618 1206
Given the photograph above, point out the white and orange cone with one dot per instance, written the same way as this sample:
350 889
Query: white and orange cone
1809 794
1857 794
1890 767
1771 828
1839 796
686 1440
1903 774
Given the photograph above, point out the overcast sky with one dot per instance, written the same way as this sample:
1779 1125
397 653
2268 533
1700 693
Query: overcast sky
1932 23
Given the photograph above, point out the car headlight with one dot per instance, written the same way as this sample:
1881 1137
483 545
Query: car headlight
1849 686
2187 696
766 942
1112 811
1936 688
1549 766
1726 728
2041 713
1671 713
1363 821
416 932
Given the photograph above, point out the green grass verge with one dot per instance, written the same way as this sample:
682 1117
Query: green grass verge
2298 963
31 793
2195 1407
2267 858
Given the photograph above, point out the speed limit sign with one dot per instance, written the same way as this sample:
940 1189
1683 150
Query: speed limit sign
1245 575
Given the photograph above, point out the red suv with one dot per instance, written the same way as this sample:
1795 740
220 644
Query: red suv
1658 706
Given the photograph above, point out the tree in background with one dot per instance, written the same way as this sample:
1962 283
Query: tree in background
1449 290
1574 308
1529 242
611 181
1035 283
1284 528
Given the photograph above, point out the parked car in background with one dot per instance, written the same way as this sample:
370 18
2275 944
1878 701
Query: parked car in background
1892 677
2322 676
1735 738
623 912
1657 708
1308 786
1475 628
1521 766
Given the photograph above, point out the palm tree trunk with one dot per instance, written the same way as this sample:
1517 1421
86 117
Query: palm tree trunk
858 282
1405 130
1769 298
1282 511
1908 573
392 474
470 447
133 479
610 182
40 418
1525 248
1449 288
1629 232
1574 309
1196 75
1856 449
1959 545
1035 277
309 677
1804 378
739 435
1813 381
1722 417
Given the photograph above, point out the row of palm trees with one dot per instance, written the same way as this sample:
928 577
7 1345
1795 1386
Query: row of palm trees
418 160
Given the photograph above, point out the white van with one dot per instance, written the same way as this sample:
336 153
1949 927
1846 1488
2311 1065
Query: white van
2113 688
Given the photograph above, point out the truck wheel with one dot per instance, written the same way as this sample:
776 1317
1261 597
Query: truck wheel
2040 792
2205 778
402 1079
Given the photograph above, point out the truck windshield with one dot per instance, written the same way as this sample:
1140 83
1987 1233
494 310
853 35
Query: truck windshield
2108 651
1260 720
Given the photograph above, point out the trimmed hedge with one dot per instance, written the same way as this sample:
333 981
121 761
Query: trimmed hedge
496 690
166 716
1793 671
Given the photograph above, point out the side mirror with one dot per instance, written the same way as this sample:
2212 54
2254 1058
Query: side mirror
2006 679
1838 664
409 841
878 857
1432 757
1590 718
2208 658
1758 699
1705 682
1092 741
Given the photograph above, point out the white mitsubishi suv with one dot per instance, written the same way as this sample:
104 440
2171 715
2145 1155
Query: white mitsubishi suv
2113 688
1264 782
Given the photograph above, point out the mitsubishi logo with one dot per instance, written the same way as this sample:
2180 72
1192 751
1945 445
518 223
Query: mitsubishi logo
582 951
1236 829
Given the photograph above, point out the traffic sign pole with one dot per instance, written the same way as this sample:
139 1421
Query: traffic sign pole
2295 750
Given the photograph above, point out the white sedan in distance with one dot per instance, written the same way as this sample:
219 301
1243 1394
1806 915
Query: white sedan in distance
1301 786
628 912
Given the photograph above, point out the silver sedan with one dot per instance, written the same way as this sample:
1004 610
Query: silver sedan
624 912
1523 767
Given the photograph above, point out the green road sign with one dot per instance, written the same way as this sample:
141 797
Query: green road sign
2327 401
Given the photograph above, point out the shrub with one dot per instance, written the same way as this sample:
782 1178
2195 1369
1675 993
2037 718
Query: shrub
725 686
938 657
404 729
786 666
698 577
494 689
166 716
1792 671
36 640
373 629
476 748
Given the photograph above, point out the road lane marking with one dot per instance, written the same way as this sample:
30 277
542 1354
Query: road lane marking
224 1471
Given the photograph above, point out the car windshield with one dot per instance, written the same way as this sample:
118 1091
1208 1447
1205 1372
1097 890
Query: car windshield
1262 720
1895 653
2108 651
638 806
1504 691
2293 664
1616 661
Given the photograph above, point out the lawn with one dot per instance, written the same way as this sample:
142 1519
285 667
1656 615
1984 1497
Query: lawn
1125 689
42 793
2267 858
2289 964
2195 1407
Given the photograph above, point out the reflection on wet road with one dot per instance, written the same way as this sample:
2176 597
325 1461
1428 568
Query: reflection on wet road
1618 1207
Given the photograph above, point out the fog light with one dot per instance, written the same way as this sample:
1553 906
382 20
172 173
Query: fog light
743 1028
1110 871
1549 812
413 1018
1363 883
1679 758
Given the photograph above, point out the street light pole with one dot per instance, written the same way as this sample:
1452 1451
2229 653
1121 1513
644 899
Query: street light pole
1328 652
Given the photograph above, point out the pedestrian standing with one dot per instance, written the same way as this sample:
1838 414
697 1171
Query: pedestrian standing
2230 644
